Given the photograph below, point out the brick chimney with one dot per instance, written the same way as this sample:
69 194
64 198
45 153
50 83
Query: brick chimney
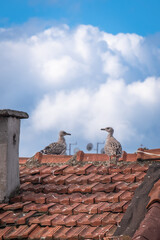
9 151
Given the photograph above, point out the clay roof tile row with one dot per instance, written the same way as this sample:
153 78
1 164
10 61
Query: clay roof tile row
70 202
150 226
85 201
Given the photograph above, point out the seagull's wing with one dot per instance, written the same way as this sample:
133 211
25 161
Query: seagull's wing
119 150
113 147
55 148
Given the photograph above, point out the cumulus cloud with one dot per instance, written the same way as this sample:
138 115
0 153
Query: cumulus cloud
124 106
80 80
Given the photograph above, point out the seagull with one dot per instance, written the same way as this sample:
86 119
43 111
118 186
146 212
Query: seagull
112 146
59 147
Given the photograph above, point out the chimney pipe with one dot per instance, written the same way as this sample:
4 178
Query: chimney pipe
9 151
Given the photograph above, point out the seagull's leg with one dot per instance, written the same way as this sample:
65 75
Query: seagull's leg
109 161
113 159
116 159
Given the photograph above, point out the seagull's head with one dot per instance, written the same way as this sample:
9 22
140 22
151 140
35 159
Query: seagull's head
63 133
108 129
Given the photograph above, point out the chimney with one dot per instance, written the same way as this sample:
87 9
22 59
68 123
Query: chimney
9 151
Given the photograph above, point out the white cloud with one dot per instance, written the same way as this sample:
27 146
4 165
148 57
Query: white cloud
64 110
113 65
147 92
80 80
56 70
114 103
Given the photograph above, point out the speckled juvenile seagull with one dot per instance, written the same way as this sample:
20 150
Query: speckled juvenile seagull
59 147
112 146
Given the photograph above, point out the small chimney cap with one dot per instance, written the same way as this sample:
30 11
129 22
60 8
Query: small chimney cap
13 113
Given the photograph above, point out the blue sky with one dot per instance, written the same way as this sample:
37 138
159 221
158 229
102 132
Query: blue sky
80 66
113 16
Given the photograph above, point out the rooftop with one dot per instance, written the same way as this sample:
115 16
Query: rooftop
82 197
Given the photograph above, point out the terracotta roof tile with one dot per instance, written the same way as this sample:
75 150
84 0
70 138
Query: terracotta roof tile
141 154
83 179
88 232
89 198
59 170
55 188
107 178
97 219
70 202
101 187
48 170
114 169
100 232
4 231
129 178
138 221
122 186
23 218
132 187
100 197
154 194
72 220
82 169
48 235
126 169
88 188
105 207
127 196
75 232
69 170
46 220
94 179
10 218
49 179
72 179
118 177
102 170
150 226
52 198
139 168
27 196
15 206
111 218
111 232
2 205
61 233
75 198
140 176
126 206
81 208
152 154
84 219
118 207
3 215
20 232
92 169
40 232
114 197
40 198
59 220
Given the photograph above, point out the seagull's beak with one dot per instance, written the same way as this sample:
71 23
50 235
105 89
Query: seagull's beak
68 134
103 129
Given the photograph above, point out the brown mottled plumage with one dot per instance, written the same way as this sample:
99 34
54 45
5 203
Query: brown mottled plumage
59 147
112 146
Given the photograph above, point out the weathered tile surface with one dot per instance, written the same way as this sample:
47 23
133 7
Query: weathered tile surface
70 202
